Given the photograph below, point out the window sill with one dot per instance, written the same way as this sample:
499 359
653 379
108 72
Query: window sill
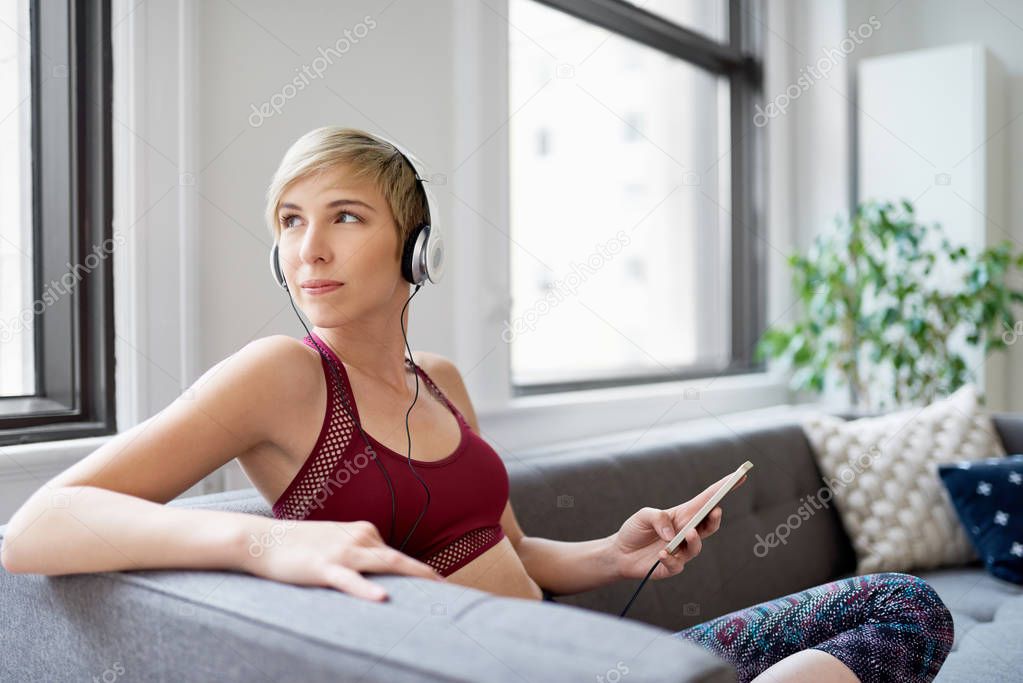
528 422
45 459
533 421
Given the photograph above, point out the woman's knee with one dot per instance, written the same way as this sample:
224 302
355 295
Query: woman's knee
908 596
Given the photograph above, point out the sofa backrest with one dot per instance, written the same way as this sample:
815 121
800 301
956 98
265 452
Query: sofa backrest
587 489
1010 430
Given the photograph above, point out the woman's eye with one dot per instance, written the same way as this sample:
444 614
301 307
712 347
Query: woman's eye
286 220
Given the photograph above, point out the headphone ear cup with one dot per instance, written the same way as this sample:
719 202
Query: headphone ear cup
434 256
275 267
410 255
423 256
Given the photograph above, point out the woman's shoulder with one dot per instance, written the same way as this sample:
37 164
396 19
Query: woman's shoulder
445 374
279 347
292 366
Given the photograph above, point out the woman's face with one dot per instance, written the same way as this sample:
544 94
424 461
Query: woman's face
333 228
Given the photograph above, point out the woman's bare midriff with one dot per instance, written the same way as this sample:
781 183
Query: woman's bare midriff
498 570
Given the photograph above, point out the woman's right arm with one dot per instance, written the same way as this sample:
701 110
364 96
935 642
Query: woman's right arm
107 512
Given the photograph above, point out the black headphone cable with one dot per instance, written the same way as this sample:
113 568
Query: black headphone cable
344 402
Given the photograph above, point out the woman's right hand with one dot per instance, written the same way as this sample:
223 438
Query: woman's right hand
333 554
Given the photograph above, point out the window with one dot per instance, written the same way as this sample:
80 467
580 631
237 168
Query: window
635 255
56 296
16 353
709 17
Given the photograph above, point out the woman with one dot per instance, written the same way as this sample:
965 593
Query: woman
342 207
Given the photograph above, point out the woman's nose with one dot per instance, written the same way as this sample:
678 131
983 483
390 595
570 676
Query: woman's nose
314 244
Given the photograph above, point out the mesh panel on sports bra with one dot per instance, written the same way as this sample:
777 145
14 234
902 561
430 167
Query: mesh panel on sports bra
464 548
335 443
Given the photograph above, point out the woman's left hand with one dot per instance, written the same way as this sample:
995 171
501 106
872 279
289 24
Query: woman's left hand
643 536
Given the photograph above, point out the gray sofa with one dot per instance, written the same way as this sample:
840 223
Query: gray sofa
178 625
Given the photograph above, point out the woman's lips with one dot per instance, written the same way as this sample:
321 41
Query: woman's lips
324 289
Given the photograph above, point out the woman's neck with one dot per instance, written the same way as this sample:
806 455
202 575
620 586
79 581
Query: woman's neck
379 356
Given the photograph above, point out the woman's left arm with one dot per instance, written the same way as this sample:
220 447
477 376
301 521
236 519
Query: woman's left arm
565 567
562 567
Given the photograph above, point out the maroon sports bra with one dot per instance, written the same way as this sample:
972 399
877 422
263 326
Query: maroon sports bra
339 482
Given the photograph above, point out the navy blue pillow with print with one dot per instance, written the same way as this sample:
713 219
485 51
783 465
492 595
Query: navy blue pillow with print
988 497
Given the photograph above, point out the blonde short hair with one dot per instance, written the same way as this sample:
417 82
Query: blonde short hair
368 157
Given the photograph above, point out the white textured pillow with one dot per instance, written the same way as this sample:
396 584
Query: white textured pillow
883 474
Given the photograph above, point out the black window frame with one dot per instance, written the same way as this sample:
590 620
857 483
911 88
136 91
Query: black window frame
72 159
739 60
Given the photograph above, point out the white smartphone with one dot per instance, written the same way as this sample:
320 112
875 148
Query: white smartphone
709 505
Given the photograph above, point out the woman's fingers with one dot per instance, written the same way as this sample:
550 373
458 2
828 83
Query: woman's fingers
352 582
693 545
384 559
674 563
710 523
380 560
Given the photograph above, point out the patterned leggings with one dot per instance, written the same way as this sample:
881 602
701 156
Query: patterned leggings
884 627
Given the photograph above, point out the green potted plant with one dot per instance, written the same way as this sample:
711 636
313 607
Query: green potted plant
871 315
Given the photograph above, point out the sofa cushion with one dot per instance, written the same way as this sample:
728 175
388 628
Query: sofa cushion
883 473
988 497
988 617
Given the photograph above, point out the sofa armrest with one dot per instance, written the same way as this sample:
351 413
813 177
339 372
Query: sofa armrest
188 625
1010 430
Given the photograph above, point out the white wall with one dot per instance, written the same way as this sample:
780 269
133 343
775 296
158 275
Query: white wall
396 80
812 163
919 24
